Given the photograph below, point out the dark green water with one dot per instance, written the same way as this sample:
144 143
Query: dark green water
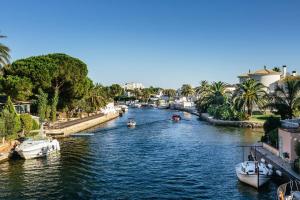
159 159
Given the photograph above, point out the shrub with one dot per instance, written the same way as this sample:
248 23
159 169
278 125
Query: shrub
271 123
26 122
35 125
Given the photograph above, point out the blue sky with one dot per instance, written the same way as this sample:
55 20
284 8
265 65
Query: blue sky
158 42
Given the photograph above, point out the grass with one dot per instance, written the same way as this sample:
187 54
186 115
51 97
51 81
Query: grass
261 117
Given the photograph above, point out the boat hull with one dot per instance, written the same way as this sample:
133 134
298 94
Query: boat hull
38 150
251 179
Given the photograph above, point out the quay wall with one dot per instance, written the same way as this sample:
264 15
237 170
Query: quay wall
278 164
271 149
206 117
64 132
218 122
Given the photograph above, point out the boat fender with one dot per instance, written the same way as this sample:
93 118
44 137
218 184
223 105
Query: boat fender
263 160
279 173
270 166
270 172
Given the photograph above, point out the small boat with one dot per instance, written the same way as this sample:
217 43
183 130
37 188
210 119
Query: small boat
37 148
247 172
131 123
289 191
124 108
176 117
136 105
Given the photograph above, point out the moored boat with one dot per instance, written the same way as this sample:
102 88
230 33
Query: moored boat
289 191
37 148
136 105
253 173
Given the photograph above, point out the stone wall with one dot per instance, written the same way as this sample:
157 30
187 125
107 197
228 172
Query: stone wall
81 126
246 124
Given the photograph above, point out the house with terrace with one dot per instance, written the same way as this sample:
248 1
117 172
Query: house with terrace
267 77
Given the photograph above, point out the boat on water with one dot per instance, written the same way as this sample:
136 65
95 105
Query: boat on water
253 173
131 122
176 117
37 148
124 108
136 105
289 191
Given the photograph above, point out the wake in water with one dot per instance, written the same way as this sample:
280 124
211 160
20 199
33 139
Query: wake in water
137 126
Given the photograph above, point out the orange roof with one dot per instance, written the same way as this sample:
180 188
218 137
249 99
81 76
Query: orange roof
260 72
266 72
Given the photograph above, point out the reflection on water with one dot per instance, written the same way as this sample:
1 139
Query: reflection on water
157 159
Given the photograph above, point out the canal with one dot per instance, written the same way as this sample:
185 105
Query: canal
158 159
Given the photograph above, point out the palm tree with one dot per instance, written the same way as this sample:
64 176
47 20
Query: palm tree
97 97
170 92
187 90
248 94
215 94
203 88
286 99
276 69
4 54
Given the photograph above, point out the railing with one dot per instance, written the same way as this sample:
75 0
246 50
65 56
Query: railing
271 149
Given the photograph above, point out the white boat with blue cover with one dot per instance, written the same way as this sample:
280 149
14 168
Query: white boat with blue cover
247 172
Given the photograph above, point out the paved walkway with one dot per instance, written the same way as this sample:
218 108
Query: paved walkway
76 121
281 164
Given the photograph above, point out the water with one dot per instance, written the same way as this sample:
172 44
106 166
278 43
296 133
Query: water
158 159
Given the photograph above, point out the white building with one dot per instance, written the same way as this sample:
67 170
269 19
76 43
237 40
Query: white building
267 77
132 86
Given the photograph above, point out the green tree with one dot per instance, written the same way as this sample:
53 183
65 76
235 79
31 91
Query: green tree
146 94
42 103
187 90
115 90
286 99
10 119
52 73
170 93
54 105
97 98
26 123
203 89
4 53
214 95
16 87
248 94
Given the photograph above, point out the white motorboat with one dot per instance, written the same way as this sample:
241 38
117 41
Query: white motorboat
136 105
37 148
131 123
124 108
247 172
289 191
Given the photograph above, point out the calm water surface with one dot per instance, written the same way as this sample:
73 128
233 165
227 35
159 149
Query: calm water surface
158 159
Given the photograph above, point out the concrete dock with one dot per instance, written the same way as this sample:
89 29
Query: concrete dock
67 128
260 151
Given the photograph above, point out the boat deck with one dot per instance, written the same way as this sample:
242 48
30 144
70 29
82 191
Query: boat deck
277 162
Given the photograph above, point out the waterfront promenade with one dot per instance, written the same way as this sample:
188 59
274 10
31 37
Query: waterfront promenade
276 161
66 128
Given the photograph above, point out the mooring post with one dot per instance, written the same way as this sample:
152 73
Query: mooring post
257 176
